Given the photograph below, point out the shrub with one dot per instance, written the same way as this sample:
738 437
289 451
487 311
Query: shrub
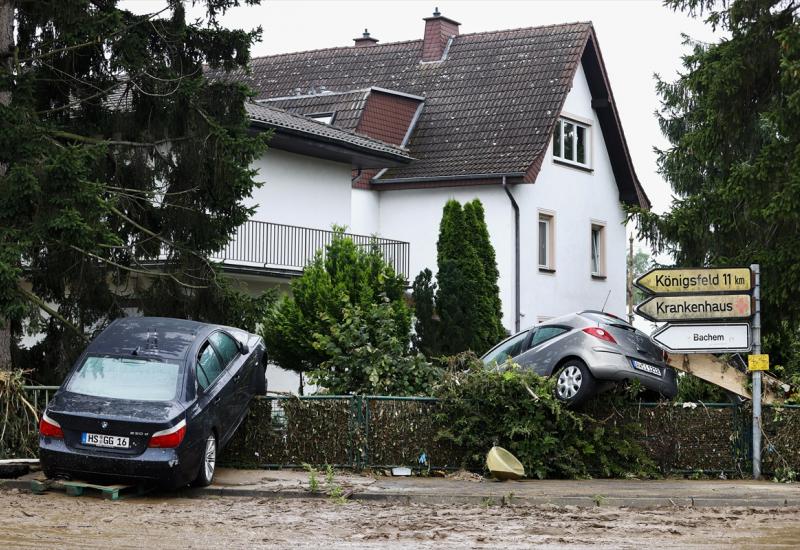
517 409
366 355
346 276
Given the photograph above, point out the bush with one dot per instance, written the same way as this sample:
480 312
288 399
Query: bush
366 356
348 275
517 409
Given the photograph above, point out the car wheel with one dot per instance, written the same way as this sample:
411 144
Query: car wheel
260 379
574 383
208 463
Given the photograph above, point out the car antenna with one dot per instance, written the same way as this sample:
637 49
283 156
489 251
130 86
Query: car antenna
603 310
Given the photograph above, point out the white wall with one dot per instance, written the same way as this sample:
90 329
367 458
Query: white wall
365 212
301 190
413 215
578 198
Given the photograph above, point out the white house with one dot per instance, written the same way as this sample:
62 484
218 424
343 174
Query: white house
523 120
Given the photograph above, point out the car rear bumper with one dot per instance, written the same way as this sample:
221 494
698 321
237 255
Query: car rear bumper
164 466
618 367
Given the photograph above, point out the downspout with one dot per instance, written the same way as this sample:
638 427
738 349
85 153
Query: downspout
515 206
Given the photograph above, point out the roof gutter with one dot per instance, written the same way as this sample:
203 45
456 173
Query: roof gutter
405 158
515 207
453 178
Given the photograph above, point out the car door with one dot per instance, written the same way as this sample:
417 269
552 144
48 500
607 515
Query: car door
214 391
543 350
234 365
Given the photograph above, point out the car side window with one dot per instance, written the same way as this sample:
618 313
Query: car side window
510 348
543 334
225 346
208 366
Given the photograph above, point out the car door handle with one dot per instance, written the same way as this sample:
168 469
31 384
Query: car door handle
237 377
217 400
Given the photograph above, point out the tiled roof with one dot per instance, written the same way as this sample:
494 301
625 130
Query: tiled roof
284 120
489 106
348 106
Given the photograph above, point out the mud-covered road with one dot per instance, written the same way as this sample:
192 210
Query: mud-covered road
54 520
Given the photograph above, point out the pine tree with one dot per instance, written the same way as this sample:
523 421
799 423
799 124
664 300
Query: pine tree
123 164
733 121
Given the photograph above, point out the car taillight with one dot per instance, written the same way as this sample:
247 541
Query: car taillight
50 428
600 333
171 437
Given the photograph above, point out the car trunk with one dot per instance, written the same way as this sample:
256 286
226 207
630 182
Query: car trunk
133 420
635 343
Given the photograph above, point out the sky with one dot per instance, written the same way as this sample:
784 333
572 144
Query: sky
638 38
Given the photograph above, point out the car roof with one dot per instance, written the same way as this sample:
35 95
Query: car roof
149 336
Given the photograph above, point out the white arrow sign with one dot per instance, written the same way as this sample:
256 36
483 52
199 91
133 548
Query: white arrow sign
697 338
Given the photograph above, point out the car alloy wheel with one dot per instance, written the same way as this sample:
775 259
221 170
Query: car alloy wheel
210 458
569 382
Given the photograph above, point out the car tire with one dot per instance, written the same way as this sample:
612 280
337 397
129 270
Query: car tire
208 463
574 383
260 379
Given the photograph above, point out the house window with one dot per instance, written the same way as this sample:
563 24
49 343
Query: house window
598 259
325 118
546 242
571 142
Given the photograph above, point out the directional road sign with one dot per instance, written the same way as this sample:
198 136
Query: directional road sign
704 338
708 307
695 280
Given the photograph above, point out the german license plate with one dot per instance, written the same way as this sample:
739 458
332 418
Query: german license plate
103 440
644 367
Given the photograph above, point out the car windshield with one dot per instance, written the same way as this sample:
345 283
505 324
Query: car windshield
126 378
508 349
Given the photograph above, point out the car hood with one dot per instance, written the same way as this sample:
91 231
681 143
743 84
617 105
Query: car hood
77 404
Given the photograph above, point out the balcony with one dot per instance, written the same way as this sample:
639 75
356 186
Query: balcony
287 249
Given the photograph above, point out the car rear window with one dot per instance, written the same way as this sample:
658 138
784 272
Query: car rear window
126 378
598 317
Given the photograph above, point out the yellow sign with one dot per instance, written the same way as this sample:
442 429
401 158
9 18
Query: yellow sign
758 362
699 307
716 279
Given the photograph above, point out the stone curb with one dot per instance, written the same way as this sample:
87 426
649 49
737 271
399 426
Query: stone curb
583 501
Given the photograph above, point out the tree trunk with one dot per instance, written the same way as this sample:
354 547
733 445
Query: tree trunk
6 58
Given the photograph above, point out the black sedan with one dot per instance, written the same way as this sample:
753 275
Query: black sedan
152 399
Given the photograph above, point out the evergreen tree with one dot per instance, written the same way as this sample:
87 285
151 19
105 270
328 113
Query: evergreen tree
426 325
121 164
733 122
491 305
345 277
467 299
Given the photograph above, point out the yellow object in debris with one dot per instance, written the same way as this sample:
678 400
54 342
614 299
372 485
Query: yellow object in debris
504 465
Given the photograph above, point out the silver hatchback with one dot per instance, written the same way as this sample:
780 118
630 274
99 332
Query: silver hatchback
587 351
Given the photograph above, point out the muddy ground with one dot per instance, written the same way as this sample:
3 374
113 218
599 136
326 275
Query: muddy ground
54 520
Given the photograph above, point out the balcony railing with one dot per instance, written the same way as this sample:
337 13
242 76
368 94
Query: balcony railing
274 245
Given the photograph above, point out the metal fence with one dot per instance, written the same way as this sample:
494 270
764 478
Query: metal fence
380 432
276 245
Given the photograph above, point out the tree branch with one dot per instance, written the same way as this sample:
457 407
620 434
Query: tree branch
52 312
147 272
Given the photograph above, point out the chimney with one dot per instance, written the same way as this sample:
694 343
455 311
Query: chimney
365 40
438 31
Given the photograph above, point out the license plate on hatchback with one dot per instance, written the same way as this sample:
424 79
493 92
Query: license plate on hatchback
645 367
103 440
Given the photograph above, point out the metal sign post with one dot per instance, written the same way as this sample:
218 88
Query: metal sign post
756 269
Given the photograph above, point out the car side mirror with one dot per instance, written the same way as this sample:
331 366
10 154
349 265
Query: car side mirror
244 348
